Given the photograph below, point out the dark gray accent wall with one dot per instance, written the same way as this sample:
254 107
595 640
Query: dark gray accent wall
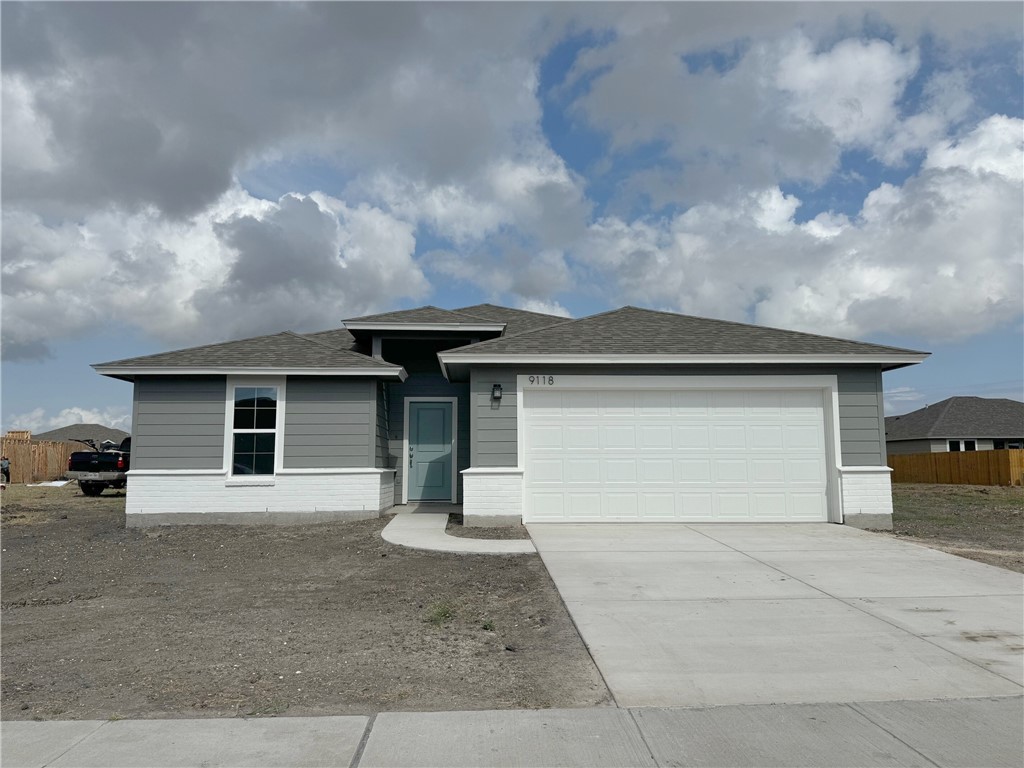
381 455
330 423
426 385
178 422
861 416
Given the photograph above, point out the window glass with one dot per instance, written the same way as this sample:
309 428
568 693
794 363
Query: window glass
970 445
254 424
954 445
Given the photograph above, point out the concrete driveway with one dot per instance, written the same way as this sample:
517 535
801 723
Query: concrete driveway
707 615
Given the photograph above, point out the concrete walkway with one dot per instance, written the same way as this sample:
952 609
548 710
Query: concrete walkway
423 527
712 615
964 732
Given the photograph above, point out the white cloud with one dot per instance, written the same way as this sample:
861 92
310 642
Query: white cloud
933 258
243 267
545 307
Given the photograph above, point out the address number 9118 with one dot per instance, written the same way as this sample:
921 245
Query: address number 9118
542 380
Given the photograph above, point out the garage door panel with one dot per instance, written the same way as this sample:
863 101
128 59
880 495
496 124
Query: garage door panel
691 438
618 437
581 438
620 471
693 470
675 455
729 437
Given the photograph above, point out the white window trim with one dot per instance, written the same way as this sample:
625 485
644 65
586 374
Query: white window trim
229 423
455 443
827 384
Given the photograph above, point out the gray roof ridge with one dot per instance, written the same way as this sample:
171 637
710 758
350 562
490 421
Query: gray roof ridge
946 405
765 327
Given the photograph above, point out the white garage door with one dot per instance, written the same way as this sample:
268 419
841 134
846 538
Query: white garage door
683 455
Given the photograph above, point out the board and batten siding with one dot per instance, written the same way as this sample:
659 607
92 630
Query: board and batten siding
381 456
426 385
861 414
178 422
330 423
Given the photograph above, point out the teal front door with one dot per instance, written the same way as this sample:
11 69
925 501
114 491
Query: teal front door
430 451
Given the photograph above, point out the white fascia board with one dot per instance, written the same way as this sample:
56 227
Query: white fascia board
115 370
424 326
452 358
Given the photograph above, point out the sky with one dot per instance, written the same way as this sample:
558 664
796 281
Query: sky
175 174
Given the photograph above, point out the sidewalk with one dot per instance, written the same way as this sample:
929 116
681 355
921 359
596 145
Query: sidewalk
956 732
424 528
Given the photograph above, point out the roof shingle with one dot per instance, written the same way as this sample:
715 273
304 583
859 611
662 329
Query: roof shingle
635 331
959 417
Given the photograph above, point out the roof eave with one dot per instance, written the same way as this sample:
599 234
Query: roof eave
128 372
479 358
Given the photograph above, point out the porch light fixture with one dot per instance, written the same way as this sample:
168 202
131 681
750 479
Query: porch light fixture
496 392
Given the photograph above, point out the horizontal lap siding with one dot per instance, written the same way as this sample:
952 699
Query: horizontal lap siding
178 422
329 423
426 385
861 425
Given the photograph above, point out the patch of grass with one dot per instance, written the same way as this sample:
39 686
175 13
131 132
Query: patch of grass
487 626
439 613
270 708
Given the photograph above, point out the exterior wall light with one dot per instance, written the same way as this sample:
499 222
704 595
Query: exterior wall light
496 392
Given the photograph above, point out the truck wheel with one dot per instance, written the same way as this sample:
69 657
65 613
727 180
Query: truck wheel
91 489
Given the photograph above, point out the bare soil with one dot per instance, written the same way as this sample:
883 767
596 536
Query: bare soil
456 528
984 523
100 621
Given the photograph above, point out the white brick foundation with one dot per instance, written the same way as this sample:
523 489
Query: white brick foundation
175 498
492 496
867 497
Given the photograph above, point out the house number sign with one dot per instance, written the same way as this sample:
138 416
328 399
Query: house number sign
545 381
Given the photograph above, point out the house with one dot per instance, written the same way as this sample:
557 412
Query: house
957 424
631 415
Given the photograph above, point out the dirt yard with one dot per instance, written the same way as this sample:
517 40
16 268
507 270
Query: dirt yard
103 622
984 523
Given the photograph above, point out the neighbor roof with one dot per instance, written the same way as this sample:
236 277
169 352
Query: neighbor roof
634 331
287 352
969 417
97 432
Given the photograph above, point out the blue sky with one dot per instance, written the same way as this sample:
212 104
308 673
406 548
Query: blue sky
848 170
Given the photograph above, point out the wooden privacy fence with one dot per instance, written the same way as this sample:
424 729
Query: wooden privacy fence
960 468
35 461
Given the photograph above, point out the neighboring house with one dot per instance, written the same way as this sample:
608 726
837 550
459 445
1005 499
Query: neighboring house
98 433
957 424
627 416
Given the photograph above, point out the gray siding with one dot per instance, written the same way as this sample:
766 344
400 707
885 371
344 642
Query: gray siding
915 446
426 385
178 422
330 423
861 426
861 417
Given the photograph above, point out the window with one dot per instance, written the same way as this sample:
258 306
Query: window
963 445
954 445
998 445
970 445
254 431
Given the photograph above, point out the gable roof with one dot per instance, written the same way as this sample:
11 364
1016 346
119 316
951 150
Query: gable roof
516 320
284 352
632 333
969 417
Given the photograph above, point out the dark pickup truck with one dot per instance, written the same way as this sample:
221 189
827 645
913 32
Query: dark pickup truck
96 470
